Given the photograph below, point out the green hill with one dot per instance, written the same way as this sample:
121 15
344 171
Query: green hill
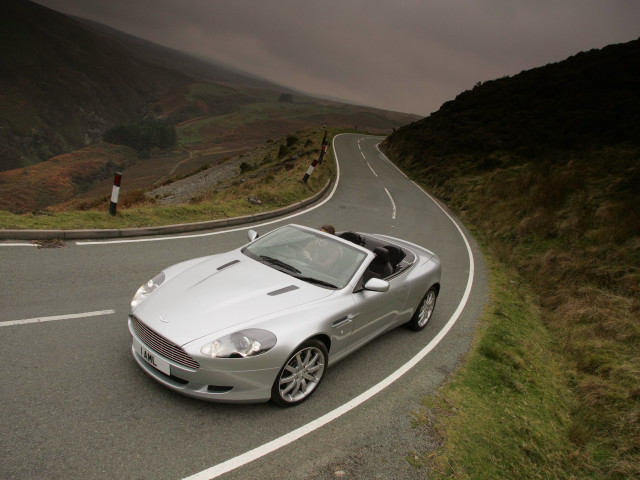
545 166
68 84
62 84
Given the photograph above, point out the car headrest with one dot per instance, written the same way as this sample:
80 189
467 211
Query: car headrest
352 237
381 253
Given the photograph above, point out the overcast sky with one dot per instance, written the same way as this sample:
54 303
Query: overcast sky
403 55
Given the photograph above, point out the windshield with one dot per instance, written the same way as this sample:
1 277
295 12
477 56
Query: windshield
314 257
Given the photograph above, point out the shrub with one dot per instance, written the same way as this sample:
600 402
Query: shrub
143 136
291 140
283 151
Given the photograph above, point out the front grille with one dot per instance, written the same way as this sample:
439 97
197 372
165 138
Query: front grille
161 345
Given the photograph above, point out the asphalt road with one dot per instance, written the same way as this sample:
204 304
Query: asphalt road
74 404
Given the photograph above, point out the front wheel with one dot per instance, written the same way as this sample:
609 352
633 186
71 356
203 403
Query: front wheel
425 310
301 374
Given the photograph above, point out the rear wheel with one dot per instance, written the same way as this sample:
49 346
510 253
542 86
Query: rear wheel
425 310
301 374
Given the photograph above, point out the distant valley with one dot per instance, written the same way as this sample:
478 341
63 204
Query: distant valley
65 82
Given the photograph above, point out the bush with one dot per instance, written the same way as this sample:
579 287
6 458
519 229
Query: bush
143 136
291 140
283 151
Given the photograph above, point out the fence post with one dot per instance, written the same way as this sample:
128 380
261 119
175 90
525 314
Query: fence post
115 192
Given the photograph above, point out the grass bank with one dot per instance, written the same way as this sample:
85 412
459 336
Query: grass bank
267 182
551 388
507 413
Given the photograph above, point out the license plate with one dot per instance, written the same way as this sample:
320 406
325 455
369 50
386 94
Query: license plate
152 358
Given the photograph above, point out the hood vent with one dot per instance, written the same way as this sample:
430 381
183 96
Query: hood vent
222 267
290 288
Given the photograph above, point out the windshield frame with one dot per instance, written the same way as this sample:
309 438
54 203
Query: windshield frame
286 245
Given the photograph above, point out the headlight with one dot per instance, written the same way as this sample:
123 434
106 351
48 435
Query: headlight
245 343
147 289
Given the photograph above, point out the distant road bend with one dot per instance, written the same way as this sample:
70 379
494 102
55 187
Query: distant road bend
67 350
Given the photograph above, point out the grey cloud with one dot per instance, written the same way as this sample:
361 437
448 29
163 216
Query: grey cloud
405 55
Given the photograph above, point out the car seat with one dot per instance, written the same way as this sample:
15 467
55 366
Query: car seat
381 266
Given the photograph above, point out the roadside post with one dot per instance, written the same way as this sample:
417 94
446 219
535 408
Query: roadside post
324 146
115 193
316 162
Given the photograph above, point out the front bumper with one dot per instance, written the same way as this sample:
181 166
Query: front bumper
243 386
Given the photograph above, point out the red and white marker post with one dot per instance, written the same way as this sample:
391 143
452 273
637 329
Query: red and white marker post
115 193
316 162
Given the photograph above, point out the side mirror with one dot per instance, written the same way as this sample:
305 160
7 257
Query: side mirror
252 234
377 285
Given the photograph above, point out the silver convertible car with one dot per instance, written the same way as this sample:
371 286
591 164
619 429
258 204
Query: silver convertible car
264 322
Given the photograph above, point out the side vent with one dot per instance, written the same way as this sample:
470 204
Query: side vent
290 288
222 267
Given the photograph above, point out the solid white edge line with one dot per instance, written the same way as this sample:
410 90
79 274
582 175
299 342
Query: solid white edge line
219 232
393 204
300 432
57 317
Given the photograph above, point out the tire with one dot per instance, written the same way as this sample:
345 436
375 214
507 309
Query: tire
301 374
424 312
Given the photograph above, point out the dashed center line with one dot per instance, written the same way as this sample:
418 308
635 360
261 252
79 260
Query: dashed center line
372 170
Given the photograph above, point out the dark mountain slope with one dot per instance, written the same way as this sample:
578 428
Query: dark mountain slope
590 99
61 84
181 61
64 81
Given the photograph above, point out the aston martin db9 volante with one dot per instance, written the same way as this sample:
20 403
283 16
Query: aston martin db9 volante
264 322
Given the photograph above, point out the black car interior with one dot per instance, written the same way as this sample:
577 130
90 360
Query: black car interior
390 259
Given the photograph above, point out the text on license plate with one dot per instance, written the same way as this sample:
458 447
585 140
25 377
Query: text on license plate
152 358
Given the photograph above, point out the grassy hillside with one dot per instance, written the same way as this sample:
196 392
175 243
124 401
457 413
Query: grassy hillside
545 167
263 180
65 82
32 189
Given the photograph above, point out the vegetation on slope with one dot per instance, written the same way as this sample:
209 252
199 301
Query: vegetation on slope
143 136
62 84
264 182
32 189
545 166
67 83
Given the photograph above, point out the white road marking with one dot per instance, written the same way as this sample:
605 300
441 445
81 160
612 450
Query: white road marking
300 432
372 170
26 321
393 204
362 153
17 245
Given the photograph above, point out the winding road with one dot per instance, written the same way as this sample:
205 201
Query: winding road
73 403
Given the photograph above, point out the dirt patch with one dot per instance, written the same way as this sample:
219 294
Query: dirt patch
55 243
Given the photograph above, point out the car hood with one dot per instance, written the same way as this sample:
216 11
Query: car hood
218 293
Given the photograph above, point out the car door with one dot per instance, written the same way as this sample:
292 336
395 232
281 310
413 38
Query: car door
377 312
